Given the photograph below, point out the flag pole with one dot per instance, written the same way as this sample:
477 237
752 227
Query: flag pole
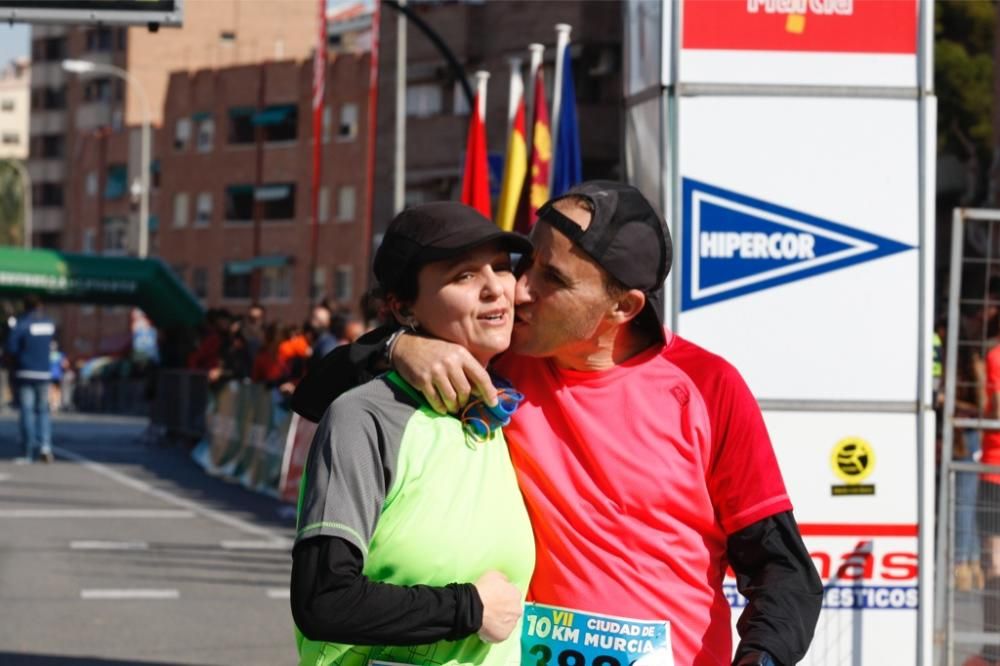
562 41
399 184
516 91
482 76
318 98
537 52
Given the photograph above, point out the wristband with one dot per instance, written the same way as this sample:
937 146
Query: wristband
390 344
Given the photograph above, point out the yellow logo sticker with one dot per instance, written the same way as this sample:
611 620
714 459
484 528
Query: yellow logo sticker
853 460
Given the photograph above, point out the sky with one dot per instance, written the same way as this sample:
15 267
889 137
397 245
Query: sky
14 42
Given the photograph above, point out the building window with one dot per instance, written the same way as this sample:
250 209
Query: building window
318 283
324 204
423 99
459 102
343 285
100 39
236 284
345 203
88 241
98 90
203 210
199 282
206 135
241 127
182 133
277 202
53 98
348 128
90 183
53 146
48 194
53 48
7 104
239 203
275 282
280 122
122 32
180 209
327 123
10 139
116 186
115 234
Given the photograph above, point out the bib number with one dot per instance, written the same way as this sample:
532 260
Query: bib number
554 636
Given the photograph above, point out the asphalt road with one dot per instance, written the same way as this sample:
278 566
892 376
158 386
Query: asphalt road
124 552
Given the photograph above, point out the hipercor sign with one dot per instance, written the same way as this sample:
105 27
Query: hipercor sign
736 245
832 26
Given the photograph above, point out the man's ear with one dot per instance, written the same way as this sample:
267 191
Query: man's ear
628 306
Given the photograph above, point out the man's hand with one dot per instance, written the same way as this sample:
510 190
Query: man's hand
444 372
501 606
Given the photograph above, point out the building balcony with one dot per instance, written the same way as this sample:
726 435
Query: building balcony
48 122
48 74
46 219
92 115
47 171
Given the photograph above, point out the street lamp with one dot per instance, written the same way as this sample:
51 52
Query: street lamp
88 67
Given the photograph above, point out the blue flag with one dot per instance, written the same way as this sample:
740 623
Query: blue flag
567 167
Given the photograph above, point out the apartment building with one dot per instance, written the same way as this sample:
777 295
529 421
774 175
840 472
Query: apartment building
219 223
14 99
85 158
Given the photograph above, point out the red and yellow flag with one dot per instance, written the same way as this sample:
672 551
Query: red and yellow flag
515 169
536 186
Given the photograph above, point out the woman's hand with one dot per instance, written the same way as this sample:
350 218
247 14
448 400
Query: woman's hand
444 372
502 606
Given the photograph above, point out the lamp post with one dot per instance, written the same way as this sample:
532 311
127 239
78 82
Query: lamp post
28 200
88 67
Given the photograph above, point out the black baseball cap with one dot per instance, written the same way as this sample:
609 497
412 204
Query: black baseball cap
626 237
432 232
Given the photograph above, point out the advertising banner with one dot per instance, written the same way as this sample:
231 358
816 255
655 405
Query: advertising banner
853 480
808 252
247 429
297 443
800 42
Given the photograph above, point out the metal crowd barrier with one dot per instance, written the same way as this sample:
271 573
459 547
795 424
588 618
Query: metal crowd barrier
112 395
180 402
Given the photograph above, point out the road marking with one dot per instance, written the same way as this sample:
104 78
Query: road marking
95 513
108 545
129 594
4 477
168 497
278 593
256 545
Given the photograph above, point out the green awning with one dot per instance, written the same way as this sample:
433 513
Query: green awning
245 266
83 278
273 115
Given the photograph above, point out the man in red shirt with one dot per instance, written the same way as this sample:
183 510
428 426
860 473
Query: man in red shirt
644 460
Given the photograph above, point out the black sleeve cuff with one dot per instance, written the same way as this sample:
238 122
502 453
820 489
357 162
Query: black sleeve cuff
468 611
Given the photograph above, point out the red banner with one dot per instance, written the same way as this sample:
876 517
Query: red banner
834 26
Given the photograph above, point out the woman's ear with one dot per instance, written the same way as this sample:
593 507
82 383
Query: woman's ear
402 312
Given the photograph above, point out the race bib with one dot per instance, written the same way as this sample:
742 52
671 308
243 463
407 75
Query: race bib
553 636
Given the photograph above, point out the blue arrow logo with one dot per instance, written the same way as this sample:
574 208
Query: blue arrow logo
736 245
